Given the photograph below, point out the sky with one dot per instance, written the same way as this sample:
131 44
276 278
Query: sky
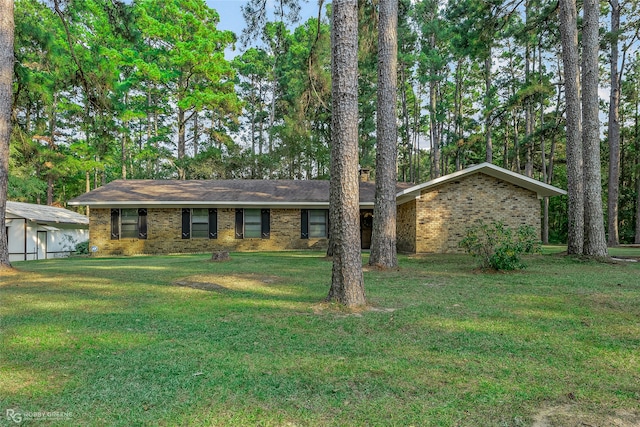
231 16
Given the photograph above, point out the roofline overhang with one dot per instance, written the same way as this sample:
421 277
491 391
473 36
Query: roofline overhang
210 204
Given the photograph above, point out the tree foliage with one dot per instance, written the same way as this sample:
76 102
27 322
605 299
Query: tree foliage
104 90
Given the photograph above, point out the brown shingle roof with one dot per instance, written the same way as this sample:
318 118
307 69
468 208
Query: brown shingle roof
218 192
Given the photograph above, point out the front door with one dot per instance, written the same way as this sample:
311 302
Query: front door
366 227
42 245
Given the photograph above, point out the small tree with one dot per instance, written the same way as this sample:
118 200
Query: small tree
497 245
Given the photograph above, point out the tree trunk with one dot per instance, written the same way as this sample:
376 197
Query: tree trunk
347 284
637 174
181 142
52 147
575 184
614 131
487 105
196 134
6 88
433 130
383 240
595 243
87 188
637 235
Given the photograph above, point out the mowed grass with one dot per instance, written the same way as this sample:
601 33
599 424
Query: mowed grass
178 340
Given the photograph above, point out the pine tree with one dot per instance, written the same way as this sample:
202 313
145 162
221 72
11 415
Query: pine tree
347 284
6 80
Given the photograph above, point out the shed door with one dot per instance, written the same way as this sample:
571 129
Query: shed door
42 245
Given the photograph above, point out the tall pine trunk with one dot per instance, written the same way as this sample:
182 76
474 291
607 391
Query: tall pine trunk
614 131
595 243
347 284
637 173
575 183
6 80
383 243
182 137
487 106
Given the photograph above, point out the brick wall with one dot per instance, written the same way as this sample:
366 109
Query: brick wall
444 212
406 227
164 227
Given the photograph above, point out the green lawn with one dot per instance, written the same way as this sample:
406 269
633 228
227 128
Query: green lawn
177 340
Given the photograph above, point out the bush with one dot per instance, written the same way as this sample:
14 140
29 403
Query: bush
82 248
498 247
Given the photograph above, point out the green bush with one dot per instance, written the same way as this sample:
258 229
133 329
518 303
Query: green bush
498 246
82 248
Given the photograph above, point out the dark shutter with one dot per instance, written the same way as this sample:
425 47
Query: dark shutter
142 223
239 223
115 224
266 223
328 224
304 224
186 223
213 223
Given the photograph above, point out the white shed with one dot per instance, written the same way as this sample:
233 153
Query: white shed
40 232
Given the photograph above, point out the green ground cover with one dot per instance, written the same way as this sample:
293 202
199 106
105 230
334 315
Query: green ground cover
178 340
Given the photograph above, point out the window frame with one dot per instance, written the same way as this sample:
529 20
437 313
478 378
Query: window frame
306 223
265 223
187 223
140 224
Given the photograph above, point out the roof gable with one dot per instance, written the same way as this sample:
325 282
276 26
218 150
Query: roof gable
538 187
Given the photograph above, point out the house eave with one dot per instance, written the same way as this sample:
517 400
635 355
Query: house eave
210 204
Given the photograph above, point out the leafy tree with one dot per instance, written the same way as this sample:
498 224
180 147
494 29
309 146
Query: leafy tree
189 52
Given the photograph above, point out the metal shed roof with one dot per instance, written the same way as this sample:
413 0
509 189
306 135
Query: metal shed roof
45 214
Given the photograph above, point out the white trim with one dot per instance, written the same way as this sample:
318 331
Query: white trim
211 204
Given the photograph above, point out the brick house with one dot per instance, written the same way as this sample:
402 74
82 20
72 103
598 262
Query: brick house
145 216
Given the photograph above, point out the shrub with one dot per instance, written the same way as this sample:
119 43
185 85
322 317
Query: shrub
82 248
498 246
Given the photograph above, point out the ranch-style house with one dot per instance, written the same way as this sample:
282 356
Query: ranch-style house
130 217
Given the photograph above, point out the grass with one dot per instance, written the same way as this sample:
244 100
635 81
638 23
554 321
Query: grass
177 340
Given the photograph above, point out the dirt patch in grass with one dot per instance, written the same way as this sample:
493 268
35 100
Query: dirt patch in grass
229 282
7 271
569 415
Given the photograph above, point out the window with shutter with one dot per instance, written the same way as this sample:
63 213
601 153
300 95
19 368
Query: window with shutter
253 223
